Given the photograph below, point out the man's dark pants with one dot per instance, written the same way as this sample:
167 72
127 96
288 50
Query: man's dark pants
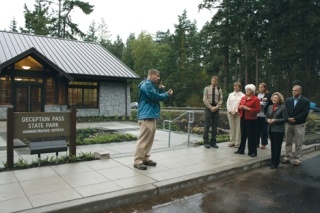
211 120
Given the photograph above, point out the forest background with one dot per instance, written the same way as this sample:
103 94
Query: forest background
249 41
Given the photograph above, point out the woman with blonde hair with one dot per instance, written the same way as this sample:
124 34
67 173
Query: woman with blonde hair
276 117
233 114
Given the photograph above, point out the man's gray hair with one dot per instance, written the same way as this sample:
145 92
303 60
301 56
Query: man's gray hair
298 86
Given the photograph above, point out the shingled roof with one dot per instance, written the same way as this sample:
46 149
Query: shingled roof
68 56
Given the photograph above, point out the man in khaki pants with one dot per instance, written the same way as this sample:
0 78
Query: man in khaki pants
298 110
148 113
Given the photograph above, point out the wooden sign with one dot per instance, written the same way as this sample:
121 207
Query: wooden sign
43 124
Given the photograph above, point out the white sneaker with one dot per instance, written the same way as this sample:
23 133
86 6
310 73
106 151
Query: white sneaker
285 161
297 162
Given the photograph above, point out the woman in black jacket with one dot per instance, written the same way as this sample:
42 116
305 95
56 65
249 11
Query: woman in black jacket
265 101
276 117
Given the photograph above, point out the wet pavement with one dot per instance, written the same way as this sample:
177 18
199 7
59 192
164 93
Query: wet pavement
286 189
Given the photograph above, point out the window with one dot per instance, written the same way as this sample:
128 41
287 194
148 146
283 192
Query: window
28 63
28 80
83 94
50 91
5 90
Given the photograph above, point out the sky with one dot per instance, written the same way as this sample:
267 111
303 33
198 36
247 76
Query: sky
121 16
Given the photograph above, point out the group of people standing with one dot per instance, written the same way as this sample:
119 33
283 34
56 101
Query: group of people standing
252 116
255 117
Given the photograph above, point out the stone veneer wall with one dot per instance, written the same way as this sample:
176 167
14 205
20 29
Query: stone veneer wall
87 112
55 108
114 99
3 111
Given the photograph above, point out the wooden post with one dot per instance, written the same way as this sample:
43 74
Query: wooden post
10 126
72 139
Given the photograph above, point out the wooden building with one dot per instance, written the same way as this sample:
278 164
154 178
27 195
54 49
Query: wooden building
44 74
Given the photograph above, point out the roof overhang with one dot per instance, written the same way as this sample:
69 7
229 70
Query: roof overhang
101 78
33 52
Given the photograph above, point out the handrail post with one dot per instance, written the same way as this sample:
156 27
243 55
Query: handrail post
189 114
169 134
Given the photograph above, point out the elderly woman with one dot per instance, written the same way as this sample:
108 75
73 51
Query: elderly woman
265 100
248 108
276 117
233 115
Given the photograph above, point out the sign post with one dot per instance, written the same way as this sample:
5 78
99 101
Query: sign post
10 126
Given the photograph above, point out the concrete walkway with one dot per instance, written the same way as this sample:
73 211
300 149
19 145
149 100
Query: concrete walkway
100 184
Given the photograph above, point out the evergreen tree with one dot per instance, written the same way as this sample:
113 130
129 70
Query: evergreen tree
103 33
117 47
268 41
13 25
127 56
37 21
63 26
186 46
91 33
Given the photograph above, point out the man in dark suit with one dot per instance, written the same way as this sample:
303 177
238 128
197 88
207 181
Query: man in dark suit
298 109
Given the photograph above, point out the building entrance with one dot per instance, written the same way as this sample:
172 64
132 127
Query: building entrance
28 98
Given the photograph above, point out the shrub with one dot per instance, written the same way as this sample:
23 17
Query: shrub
23 164
313 123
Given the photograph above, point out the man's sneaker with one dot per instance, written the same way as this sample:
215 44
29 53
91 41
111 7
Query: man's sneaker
140 166
297 162
285 161
149 163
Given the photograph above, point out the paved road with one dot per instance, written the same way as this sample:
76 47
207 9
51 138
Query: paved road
287 189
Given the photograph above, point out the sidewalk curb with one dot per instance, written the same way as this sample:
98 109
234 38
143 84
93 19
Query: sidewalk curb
136 194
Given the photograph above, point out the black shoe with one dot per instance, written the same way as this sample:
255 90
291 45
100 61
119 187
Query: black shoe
150 163
140 166
207 146
215 145
253 155
237 152
273 167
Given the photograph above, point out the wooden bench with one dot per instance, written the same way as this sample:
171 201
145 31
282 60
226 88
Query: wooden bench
39 147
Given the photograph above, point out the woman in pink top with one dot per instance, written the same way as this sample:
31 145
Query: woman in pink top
233 114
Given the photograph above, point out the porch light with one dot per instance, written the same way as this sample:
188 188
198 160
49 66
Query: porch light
25 67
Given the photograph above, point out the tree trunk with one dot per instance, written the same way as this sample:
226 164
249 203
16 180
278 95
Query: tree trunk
246 66
59 20
257 69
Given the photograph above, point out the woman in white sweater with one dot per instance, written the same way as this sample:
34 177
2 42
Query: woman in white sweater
233 115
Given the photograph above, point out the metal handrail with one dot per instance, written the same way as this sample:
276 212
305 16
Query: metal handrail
190 121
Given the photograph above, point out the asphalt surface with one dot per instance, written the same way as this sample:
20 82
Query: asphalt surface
286 189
